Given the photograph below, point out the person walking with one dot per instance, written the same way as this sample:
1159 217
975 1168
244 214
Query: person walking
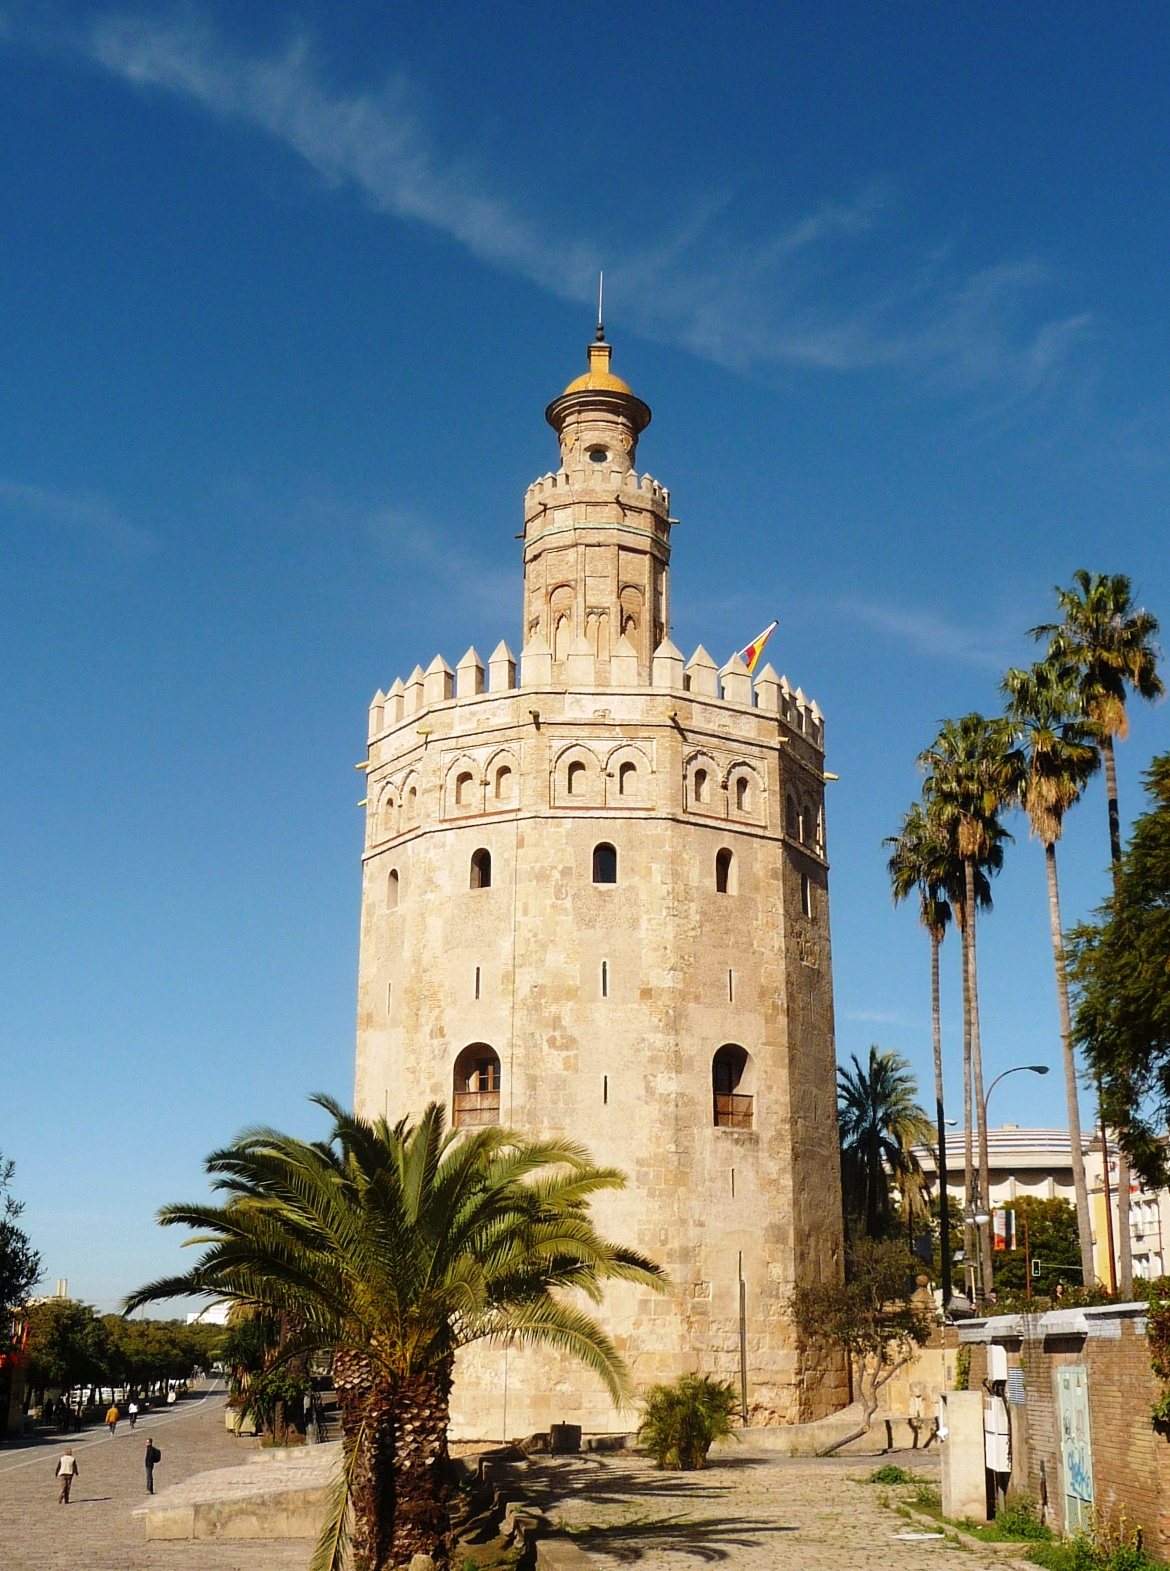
153 1455
67 1471
112 1417
133 1412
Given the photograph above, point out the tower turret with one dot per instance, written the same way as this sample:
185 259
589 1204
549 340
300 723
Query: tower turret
596 536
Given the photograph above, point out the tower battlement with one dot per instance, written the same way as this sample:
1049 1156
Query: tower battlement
595 906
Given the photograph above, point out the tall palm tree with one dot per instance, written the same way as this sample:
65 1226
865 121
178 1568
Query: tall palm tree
391 1248
1058 746
921 861
1106 647
880 1123
972 773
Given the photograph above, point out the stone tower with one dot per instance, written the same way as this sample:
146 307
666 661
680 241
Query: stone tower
595 904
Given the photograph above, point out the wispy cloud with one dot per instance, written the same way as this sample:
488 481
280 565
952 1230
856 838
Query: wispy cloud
441 558
828 290
873 1017
79 511
930 634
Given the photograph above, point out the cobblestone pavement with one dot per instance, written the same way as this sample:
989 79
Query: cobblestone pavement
754 1511
96 1531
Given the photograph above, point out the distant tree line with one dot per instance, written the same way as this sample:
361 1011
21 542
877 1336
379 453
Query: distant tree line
71 1347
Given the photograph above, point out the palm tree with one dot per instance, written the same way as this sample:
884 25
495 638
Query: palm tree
972 772
391 1248
1059 749
1105 646
880 1123
921 860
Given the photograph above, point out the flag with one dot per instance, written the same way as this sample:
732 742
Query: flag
751 654
1004 1224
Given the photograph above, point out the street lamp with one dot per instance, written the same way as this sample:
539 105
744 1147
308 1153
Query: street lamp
1019 1069
980 1211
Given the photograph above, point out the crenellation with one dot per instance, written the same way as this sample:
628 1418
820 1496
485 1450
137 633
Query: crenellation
702 675
469 675
392 710
412 693
501 669
736 683
668 667
438 682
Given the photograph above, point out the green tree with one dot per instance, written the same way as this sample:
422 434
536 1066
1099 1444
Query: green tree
880 1123
392 1248
1120 967
684 1419
67 1346
923 861
870 1318
1060 759
1104 646
1053 1242
972 774
20 1264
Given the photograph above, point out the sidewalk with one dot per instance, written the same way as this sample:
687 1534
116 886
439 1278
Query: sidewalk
97 1531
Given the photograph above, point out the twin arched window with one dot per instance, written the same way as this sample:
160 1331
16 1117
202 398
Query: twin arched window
733 1105
476 1092
481 869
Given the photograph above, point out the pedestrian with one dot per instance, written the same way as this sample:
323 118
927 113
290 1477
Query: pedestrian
133 1411
171 1397
153 1455
67 1471
112 1417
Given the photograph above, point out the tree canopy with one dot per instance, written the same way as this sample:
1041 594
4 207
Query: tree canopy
20 1264
1121 971
880 1122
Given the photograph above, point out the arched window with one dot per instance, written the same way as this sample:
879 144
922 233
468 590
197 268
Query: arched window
412 804
604 864
392 890
791 821
724 862
628 780
504 783
700 785
576 778
476 1092
742 787
463 787
481 869
733 1108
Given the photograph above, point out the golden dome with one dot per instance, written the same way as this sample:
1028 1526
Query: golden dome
599 379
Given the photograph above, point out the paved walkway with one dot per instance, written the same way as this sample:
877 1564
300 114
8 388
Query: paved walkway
754 1511
97 1532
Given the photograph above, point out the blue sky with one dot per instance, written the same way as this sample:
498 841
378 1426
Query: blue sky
283 293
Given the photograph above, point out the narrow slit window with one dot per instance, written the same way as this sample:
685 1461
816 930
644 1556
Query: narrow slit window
605 979
389 995
605 1090
730 986
733 1183
806 894
392 890
477 981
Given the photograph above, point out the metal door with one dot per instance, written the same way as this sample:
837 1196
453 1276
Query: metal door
1076 1454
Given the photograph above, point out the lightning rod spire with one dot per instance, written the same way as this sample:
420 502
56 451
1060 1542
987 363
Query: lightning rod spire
600 308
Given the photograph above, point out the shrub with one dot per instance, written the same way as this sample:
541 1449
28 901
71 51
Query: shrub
682 1420
927 1496
1018 1519
890 1474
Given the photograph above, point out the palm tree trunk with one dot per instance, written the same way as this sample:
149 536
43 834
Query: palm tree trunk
422 1517
367 1419
968 1155
1081 1189
944 1219
977 1077
1124 1242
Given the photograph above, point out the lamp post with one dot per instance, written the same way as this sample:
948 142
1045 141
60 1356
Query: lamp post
980 1213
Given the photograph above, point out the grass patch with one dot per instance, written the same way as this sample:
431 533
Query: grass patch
891 1475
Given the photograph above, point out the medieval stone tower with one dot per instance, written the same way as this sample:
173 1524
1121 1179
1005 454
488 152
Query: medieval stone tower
595 904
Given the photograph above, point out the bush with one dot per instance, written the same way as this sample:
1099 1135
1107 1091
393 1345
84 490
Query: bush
1018 1519
683 1420
889 1474
927 1496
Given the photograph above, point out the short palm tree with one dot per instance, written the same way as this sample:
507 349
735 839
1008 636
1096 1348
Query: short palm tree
972 773
922 862
1104 646
1058 747
391 1248
880 1123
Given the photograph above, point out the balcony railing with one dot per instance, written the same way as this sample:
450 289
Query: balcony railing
474 1108
733 1112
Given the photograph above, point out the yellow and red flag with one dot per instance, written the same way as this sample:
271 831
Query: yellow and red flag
751 654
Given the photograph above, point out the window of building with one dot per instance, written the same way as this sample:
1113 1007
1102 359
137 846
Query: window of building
733 1107
504 783
392 890
628 780
476 1091
605 979
477 981
742 788
700 783
576 778
604 864
791 821
730 986
412 804
805 894
598 455
463 788
481 869
724 862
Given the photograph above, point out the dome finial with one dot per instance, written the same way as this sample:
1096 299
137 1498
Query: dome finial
600 305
